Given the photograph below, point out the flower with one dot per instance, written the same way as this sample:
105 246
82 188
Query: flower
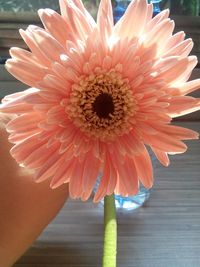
100 94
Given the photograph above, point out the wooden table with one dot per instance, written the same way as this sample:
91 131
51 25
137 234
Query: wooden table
163 233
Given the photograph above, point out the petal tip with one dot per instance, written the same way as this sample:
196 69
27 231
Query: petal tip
40 12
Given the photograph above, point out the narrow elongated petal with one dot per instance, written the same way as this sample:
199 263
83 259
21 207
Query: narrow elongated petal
105 18
157 19
15 103
160 34
182 105
180 71
161 156
79 4
90 172
49 168
133 22
128 175
35 49
174 40
79 24
187 88
55 24
17 124
144 168
25 72
179 132
165 143
25 56
89 18
181 49
48 45
39 156
108 179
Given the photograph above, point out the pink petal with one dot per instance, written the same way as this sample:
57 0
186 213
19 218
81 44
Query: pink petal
21 150
108 180
77 21
48 44
165 143
159 34
180 71
55 24
182 105
133 22
39 156
128 176
26 72
51 96
63 174
89 18
18 125
90 173
80 6
15 103
87 15
67 74
146 127
157 19
174 40
55 83
20 137
105 18
149 12
102 188
20 108
144 168
24 55
73 60
49 168
120 188
178 132
187 88
161 156
181 49
32 44
76 180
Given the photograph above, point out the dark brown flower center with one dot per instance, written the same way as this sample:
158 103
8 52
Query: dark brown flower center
103 105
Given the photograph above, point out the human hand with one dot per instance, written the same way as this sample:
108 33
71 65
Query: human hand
26 208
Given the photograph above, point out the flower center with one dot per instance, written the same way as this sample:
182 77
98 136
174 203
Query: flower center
103 105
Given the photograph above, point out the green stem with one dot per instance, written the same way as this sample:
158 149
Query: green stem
110 232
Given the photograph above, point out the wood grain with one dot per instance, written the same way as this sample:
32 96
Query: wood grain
163 233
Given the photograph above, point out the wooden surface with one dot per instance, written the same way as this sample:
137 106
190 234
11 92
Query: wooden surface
163 233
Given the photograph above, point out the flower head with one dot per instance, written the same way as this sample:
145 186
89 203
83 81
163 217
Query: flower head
100 94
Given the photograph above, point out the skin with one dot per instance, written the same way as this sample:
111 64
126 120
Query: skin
26 208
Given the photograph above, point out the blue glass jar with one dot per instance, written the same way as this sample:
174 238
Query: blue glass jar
131 202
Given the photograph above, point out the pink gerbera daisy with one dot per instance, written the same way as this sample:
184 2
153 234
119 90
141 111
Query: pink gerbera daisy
100 94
